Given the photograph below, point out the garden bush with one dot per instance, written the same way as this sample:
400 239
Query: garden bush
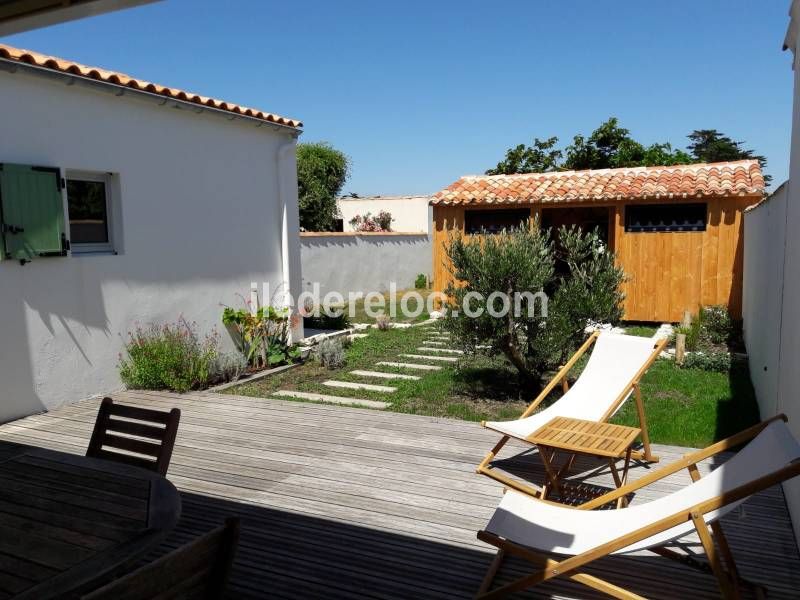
169 357
262 336
331 354
383 322
718 324
421 282
708 361
579 276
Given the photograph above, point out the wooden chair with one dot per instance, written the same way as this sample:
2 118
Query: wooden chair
154 432
610 377
198 570
559 541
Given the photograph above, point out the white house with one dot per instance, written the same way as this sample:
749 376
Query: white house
410 214
126 202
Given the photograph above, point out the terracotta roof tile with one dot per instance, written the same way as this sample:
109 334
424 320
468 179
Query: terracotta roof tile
737 178
66 66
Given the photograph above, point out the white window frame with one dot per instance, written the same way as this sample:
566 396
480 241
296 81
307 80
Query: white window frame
105 179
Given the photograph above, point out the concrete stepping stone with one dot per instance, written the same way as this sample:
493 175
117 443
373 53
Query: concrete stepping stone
423 357
331 399
382 375
445 350
349 385
402 365
434 343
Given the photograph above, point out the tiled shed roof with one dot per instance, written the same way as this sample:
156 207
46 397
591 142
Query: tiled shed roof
67 66
737 178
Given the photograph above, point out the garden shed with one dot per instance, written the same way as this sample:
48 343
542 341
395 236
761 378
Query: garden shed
676 230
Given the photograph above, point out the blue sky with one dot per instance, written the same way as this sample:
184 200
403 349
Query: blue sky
419 93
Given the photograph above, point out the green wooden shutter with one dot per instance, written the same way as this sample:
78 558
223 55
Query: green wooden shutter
32 212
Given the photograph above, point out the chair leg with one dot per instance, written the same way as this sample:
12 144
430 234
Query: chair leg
647 454
726 585
491 573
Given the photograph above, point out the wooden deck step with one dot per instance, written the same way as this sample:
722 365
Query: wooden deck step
350 385
383 375
403 365
330 399
424 357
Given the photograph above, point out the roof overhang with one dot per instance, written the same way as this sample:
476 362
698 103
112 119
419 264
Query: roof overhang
17 16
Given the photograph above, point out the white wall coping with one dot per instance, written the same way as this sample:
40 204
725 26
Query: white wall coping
309 234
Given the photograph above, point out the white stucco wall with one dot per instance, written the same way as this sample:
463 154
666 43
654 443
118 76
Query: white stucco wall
200 217
411 214
772 288
365 263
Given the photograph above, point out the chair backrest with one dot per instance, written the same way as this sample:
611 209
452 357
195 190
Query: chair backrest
198 570
614 363
147 440
773 449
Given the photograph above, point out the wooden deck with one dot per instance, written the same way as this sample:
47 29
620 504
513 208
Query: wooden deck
355 503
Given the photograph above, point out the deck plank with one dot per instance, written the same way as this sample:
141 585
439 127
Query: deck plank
342 502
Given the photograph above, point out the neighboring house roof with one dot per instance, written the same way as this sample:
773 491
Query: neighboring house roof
69 67
739 178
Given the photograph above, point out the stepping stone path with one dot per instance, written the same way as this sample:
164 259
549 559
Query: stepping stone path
330 399
423 357
382 375
434 343
446 350
402 365
349 385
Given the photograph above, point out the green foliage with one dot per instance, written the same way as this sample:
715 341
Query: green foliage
709 145
520 263
383 322
693 333
539 158
611 146
330 353
169 357
336 321
719 362
261 336
718 324
381 222
321 173
421 282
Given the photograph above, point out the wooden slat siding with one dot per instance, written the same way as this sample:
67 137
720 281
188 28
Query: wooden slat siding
668 273
343 503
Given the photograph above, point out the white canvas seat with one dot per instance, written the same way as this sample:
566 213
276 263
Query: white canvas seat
614 363
610 377
521 524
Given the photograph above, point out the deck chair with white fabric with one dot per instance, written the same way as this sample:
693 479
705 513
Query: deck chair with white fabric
610 377
559 541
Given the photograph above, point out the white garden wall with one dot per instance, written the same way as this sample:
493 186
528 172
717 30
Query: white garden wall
772 288
198 215
363 262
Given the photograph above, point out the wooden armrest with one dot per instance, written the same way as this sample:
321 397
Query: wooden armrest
686 462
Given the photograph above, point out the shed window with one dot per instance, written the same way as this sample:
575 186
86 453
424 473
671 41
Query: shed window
665 217
88 209
494 221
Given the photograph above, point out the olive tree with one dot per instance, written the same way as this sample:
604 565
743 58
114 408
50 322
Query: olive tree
523 295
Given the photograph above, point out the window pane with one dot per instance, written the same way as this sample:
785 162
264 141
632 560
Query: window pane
88 219
494 221
665 217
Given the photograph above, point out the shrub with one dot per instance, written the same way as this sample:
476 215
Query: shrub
383 322
231 366
523 261
172 357
381 222
708 361
421 282
261 336
330 353
324 321
718 324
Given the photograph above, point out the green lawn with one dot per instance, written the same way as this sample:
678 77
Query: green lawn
361 316
684 406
